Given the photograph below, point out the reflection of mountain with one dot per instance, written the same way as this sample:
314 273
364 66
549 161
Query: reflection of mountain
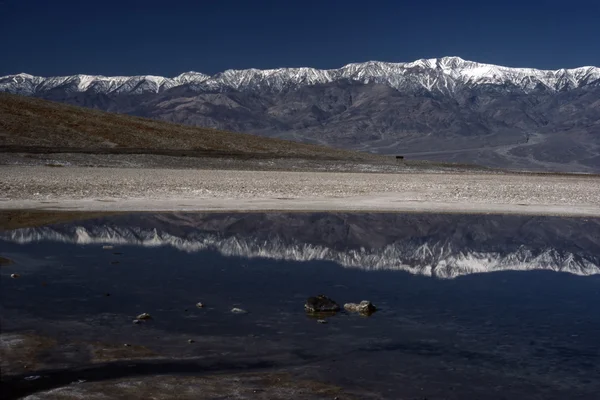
444 246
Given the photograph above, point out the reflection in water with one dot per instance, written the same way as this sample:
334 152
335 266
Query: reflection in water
444 246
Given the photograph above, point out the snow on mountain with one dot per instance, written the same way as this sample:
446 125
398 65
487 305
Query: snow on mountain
443 75
436 258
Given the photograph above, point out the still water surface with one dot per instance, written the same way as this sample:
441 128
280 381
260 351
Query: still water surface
469 306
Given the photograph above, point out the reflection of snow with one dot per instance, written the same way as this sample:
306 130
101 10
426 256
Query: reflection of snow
432 259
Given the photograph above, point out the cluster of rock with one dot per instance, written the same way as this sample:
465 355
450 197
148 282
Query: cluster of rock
322 305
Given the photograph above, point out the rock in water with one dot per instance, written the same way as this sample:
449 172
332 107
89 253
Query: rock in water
236 310
365 307
5 261
143 316
320 304
200 305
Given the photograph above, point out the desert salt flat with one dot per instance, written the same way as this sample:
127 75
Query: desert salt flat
153 189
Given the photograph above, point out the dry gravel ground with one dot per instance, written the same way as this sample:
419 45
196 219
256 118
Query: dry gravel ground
152 189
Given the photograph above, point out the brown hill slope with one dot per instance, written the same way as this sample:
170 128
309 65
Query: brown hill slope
33 124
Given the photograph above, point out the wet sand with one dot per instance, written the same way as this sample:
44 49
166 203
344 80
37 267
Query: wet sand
156 189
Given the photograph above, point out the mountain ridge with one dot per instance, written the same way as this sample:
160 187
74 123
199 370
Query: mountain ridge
448 73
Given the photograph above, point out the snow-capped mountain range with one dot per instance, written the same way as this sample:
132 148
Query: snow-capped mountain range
439 109
443 75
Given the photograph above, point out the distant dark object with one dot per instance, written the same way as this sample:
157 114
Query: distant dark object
399 158
320 303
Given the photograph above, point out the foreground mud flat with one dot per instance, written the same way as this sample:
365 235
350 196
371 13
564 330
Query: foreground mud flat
136 189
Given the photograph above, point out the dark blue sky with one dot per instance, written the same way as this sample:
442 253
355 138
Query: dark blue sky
126 37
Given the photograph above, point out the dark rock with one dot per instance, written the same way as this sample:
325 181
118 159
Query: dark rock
320 304
5 261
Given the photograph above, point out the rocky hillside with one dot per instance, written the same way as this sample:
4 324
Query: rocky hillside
28 123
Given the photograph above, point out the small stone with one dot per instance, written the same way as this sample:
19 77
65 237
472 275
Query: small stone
319 304
15 276
322 321
144 316
200 305
5 261
365 307
191 341
236 310
136 321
